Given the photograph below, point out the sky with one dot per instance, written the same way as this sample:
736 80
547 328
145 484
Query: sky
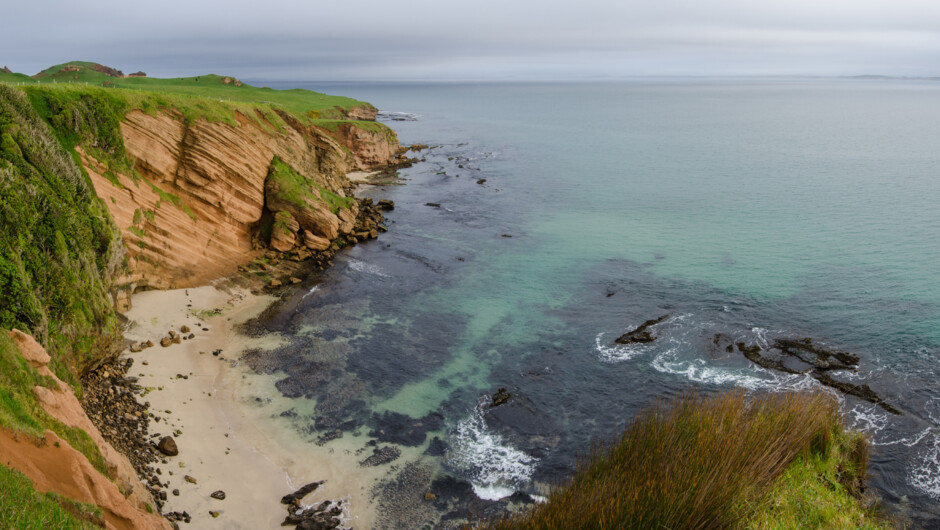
372 40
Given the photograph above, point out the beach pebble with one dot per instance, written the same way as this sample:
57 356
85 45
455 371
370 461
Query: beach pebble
218 494
189 479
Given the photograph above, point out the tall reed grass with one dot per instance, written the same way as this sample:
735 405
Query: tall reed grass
694 462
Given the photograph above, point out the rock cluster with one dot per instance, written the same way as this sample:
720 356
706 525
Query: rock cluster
109 399
803 356
323 516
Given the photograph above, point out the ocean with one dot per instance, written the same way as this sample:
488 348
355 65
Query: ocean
569 214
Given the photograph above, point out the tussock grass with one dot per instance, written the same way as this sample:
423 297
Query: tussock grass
695 462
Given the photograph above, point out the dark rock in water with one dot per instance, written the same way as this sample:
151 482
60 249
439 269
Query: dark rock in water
819 364
385 204
320 517
640 334
861 391
289 413
329 436
436 447
753 354
433 204
218 494
402 429
167 446
382 455
481 181
822 359
500 397
302 492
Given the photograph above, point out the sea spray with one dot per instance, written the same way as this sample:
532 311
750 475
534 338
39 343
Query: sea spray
495 468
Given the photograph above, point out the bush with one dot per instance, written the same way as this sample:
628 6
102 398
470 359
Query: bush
697 462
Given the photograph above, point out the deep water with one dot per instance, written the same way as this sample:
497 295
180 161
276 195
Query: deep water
755 209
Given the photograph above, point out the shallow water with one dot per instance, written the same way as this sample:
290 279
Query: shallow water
752 209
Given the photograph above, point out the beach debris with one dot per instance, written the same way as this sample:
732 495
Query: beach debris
641 334
167 445
184 329
218 494
381 455
176 493
136 347
189 479
500 397
166 341
294 499
215 513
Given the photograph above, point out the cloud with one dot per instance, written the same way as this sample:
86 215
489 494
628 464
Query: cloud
298 39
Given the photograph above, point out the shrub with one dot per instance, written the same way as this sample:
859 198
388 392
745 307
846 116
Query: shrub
697 462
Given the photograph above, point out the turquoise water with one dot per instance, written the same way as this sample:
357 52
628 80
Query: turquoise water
754 209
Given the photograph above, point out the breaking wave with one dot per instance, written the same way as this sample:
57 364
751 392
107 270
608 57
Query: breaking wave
495 468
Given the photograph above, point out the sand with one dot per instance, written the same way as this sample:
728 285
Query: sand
231 437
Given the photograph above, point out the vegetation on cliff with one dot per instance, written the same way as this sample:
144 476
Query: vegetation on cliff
307 106
22 507
59 248
721 462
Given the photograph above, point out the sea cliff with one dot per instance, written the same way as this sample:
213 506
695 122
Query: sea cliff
108 189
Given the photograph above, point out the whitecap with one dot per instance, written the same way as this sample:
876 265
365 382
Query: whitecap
926 476
615 353
312 290
495 468
367 268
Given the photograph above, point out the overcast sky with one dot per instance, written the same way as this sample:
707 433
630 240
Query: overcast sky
476 39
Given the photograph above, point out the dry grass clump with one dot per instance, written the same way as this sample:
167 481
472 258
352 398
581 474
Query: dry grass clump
695 462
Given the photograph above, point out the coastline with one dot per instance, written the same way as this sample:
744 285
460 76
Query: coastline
222 414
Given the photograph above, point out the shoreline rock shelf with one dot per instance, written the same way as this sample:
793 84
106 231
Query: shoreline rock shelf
641 334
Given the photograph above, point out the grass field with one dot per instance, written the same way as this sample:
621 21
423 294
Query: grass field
302 103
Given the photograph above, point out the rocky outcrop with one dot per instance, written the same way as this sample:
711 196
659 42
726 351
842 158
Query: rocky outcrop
196 209
367 147
53 465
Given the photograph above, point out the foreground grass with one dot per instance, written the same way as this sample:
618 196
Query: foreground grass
713 463
23 508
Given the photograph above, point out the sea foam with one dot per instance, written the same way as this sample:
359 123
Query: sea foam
495 468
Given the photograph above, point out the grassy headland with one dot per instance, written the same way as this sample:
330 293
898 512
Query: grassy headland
731 461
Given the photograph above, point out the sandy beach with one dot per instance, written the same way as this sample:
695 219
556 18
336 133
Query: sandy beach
226 418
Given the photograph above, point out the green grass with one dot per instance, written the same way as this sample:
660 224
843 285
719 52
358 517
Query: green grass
23 508
818 490
702 462
59 248
297 101
298 189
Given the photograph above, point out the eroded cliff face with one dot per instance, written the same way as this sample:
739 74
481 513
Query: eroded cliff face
197 211
54 465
